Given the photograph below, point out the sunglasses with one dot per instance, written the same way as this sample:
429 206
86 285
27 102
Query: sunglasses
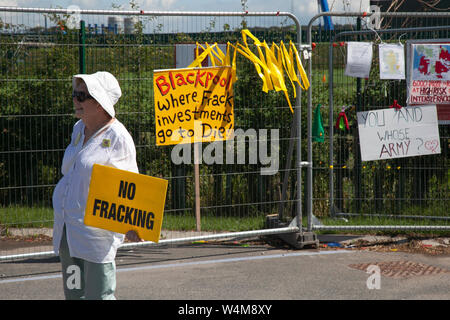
81 96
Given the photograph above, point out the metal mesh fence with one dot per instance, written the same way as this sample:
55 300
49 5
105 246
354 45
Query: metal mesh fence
393 194
39 54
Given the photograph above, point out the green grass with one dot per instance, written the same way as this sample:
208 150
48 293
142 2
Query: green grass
211 223
25 217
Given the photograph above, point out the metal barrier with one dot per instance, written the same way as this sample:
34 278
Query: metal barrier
341 206
39 53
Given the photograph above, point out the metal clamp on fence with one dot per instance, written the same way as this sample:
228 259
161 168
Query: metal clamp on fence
306 49
304 164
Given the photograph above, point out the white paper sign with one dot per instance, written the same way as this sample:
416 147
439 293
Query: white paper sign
359 59
392 61
391 133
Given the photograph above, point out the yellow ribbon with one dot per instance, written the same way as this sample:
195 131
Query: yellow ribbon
198 60
269 66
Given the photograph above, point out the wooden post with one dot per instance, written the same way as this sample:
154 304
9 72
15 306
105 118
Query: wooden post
197 151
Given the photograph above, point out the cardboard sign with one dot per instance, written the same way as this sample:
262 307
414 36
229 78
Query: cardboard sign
392 133
121 201
193 95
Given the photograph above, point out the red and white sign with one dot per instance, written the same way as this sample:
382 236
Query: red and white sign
429 76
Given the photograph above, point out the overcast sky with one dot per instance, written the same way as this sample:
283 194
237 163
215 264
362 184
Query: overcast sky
303 9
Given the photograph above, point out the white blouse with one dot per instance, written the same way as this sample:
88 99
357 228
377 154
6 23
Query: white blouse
112 147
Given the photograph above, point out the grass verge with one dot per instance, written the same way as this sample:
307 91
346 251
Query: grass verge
25 217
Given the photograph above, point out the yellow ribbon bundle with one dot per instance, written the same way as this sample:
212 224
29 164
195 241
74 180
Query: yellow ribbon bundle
269 66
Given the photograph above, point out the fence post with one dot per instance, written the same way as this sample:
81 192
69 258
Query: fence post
82 41
357 165
298 120
331 127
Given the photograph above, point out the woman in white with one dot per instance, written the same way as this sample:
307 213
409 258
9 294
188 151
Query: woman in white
87 254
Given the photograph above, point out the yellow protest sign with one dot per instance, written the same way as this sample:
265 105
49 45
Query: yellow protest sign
121 201
185 98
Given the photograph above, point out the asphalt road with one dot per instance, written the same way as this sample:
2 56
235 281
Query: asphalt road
236 272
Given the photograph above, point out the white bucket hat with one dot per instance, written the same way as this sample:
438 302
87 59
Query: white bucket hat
103 87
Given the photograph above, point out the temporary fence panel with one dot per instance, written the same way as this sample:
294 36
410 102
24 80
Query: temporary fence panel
40 51
343 191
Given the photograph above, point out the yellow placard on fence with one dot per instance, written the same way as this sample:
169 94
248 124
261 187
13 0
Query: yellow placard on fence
193 105
121 201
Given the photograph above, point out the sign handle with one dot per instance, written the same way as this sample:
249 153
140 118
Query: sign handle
197 150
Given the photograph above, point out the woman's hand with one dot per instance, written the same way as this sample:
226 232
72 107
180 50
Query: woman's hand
133 236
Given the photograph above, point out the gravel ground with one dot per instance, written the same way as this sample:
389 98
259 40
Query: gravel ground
27 238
